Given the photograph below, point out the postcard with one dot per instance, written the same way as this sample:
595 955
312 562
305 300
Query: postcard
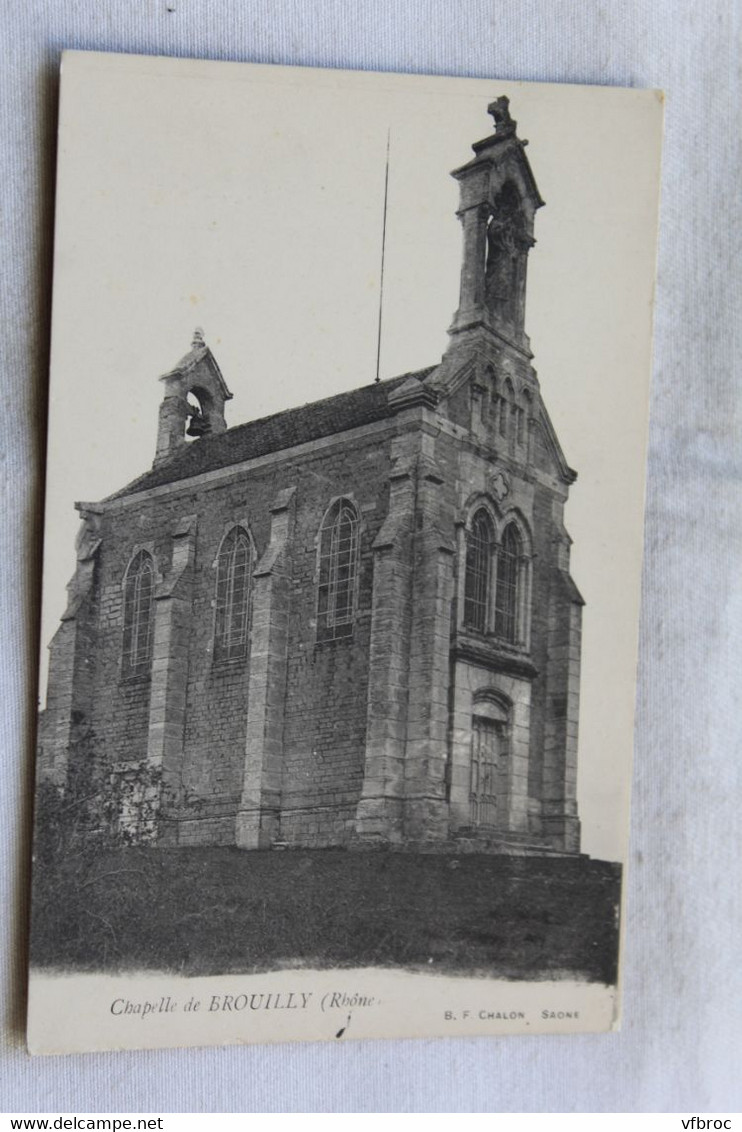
346 459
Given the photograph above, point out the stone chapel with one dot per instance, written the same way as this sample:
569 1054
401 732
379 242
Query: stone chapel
350 623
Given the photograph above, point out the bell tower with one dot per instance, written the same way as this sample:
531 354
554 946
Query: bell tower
193 401
498 202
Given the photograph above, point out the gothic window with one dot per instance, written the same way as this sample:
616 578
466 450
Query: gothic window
338 571
234 567
139 587
507 585
507 409
525 416
478 569
503 416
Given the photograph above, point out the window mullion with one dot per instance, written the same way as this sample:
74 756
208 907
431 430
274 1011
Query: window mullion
492 606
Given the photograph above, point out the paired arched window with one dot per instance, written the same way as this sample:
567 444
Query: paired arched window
139 592
496 580
510 416
338 571
234 566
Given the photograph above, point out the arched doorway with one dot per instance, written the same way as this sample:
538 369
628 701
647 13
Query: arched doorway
489 752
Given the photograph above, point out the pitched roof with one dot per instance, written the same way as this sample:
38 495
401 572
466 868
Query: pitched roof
272 434
199 353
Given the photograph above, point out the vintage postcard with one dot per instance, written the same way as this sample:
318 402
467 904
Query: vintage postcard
348 413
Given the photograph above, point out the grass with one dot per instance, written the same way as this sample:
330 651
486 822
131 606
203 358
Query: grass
204 911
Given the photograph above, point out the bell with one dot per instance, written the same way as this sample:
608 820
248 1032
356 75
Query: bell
197 425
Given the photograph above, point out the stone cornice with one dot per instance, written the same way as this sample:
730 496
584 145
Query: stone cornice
489 655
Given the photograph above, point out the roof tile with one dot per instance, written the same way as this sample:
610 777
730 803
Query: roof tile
272 434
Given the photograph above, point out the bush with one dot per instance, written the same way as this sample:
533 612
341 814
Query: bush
79 912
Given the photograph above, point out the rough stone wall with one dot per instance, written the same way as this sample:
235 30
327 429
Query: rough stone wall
65 731
120 706
459 406
314 754
325 708
543 566
216 698
327 682
544 704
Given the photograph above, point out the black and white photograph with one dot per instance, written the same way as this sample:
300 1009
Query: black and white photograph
343 548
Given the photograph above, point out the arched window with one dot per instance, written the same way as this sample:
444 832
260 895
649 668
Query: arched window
338 571
505 248
506 408
139 590
234 566
478 570
507 595
525 416
515 414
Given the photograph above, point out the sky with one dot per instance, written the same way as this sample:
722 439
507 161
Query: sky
248 200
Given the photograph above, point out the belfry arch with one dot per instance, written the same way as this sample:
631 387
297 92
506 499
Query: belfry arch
193 402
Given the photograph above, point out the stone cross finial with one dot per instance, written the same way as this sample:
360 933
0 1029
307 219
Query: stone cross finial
198 338
500 111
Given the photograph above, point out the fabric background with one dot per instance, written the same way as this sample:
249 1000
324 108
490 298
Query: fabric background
676 1051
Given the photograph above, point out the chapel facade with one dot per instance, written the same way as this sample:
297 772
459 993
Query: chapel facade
350 623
